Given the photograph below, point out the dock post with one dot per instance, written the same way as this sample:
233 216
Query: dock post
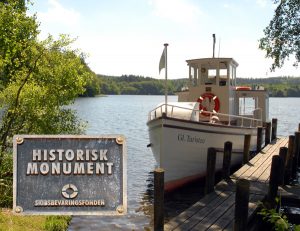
289 160
297 148
259 139
241 205
247 140
210 170
227 159
296 154
268 133
283 154
274 180
274 129
159 199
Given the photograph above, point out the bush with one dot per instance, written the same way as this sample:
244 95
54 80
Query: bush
6 180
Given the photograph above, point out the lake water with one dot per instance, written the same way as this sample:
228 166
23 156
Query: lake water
127 115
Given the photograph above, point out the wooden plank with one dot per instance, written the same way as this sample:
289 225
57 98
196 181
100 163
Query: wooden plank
182 217
227 219
260 163
253 204
260 157
213 216
216 210
209 209
224 220
256 171
230 185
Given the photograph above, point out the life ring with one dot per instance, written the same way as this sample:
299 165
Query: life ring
243 88
208 98
69 191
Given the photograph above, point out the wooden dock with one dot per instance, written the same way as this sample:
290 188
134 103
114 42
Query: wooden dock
215 211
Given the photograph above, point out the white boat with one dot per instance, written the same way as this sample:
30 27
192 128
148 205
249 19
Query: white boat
211 111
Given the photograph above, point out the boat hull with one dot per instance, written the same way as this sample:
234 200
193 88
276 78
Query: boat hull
180 147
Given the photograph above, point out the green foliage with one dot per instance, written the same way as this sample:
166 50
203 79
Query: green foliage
138 85
6 180
282 36
37 78
276 86
277 220
57 223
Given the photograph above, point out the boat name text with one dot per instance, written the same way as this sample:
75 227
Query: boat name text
190 139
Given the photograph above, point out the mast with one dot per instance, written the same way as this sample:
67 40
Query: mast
214 43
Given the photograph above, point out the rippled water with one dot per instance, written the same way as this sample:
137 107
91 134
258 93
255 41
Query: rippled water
127 115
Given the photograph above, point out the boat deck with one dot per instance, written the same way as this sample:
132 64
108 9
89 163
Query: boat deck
215 211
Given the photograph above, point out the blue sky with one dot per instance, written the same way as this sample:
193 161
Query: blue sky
127 36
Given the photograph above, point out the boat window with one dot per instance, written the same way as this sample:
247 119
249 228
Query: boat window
246 105
193 76
223 77
223 73
212 74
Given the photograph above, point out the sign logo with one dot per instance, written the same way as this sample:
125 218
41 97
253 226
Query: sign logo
69 191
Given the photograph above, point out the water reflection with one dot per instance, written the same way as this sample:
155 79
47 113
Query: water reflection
175 202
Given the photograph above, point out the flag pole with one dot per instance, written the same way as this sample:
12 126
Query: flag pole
166 78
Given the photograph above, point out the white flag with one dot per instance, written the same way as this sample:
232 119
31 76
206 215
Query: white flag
162 61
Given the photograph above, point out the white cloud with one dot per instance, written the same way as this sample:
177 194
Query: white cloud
261 3
56 13
179 11
226 5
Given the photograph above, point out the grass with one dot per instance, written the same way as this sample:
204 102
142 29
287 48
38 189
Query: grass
9 221
13 222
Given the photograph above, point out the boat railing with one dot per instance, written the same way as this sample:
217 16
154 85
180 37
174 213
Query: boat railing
179 112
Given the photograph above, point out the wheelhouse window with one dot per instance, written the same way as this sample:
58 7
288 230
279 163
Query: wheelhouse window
223 77
211 78
246 106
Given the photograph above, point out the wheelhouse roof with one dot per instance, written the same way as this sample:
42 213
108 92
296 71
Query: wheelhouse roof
211 61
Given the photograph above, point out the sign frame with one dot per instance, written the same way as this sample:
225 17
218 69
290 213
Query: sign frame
117 138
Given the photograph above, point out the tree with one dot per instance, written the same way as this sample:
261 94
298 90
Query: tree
37 78
282 36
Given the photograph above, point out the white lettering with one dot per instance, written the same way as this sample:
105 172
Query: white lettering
69 155
99 168
36 155
90 168
94 154
60 152
52 155
109 168
32 169
79 154
103 154
87 154
55 170
67 171
79 168
44 168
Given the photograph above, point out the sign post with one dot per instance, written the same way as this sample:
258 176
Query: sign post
70 175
